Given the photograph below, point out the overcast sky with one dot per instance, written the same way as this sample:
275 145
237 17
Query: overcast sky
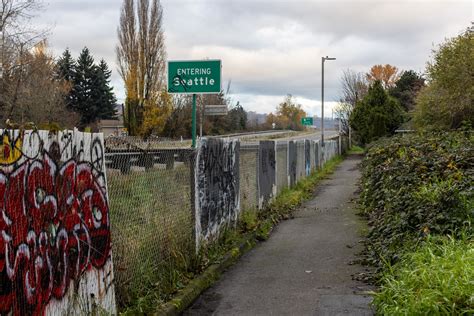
272 48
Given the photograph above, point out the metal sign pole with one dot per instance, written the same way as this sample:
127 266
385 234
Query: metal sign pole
322 101
201 119
194 121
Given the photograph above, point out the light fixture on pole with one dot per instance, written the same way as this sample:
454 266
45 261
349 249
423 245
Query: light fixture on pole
322 96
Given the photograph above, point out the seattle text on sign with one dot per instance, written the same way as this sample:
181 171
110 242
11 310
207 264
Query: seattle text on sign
194 76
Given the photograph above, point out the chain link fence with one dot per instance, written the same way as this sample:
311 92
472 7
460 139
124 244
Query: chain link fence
150 210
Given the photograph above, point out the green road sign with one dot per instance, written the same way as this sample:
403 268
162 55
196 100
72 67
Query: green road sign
307 121
194 76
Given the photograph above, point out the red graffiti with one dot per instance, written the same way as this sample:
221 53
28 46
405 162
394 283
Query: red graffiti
54 225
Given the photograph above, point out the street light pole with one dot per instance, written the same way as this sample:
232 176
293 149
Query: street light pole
323 59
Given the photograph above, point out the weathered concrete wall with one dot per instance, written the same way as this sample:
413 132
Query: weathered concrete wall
248 177
217 186
300 160
281 165
55 248
329 150
266 172
292 161
307 156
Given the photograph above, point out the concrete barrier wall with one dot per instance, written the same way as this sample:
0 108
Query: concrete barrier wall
217 191
300 160
307 156
228 176
329 150
281 165
292 161
266 172
248 176
55 248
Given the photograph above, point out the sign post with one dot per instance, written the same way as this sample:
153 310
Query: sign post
194 121
192 77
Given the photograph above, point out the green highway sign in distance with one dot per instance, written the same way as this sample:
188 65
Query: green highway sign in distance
194 76
307 121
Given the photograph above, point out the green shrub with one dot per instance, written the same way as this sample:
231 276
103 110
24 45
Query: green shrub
416 185
436 279
447 102
376 115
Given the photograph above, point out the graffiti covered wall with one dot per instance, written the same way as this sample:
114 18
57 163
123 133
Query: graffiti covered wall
266 172
55 249
307 156
292 163
217 186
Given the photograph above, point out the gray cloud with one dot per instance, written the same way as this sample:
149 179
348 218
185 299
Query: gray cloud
270 48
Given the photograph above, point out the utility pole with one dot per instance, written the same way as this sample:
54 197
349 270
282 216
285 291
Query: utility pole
323 59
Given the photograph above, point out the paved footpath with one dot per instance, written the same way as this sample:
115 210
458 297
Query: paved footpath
304 268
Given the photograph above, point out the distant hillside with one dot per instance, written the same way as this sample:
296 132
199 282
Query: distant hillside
255 119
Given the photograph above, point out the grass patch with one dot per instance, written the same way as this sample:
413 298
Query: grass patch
356 150
435 279
152 230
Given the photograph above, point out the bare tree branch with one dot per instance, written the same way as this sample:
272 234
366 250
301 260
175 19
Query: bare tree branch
354 88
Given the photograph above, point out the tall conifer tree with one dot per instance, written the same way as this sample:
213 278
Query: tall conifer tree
65 71
83 86
102 94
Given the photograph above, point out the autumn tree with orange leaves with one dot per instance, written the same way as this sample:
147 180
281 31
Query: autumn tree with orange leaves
288 115
387 74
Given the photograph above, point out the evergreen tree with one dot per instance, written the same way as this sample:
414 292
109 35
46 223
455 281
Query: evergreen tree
83 87
377 115
91 94
103 97
65 66
237 118
406 89
64 70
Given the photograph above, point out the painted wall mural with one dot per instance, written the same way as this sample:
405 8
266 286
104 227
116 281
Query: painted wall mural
55 248
266 172
217 186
